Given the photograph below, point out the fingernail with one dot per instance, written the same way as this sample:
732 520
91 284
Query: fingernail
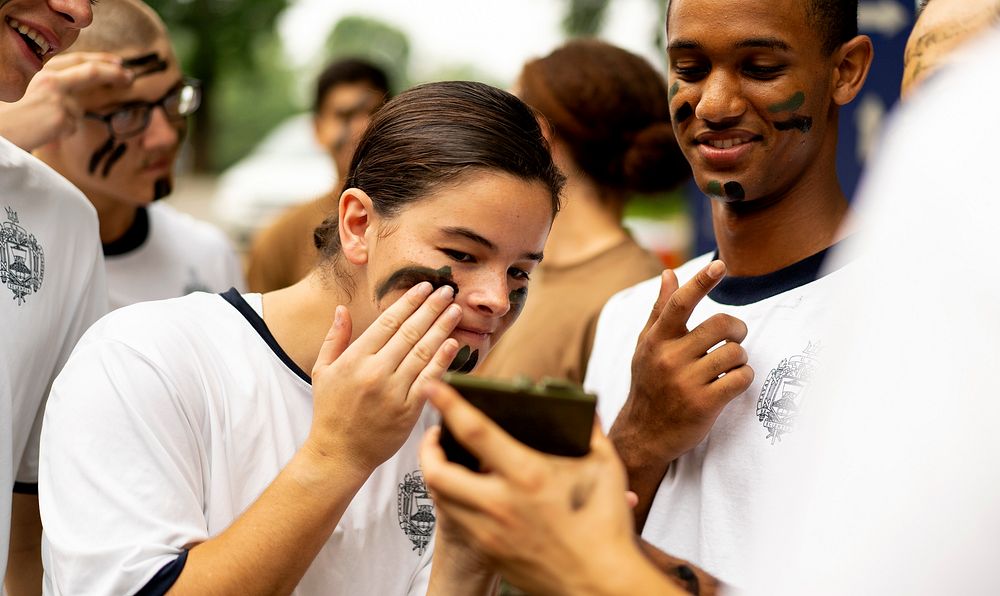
423 287
447 291
716 269
454 310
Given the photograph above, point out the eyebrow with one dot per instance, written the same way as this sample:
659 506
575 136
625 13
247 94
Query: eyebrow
470 235
769 43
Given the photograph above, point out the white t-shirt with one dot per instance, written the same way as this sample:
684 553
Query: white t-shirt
166 254
51 290
702 507
898 489
168 421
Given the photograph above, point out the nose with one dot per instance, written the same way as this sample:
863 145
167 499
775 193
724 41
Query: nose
161 132
721 98
488 296
77 13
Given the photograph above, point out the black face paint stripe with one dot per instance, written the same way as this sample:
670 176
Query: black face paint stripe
799 123
460 359
734 190
470 364
407 277
683 113
95 159
113 158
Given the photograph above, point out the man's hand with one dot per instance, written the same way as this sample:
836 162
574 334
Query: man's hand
550 525
366 394
51 108
681 381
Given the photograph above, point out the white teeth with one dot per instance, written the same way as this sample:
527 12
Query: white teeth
727 143
31 34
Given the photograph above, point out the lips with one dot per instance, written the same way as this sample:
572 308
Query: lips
472 336
37 42
726 149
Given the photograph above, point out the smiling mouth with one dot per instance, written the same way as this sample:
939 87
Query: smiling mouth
726 143
35 41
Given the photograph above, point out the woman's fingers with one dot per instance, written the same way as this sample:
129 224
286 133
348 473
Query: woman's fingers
391 320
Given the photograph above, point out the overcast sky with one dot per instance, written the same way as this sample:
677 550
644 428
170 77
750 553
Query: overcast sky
495 35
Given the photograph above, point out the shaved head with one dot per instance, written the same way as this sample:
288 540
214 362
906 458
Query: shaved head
943 26
119 25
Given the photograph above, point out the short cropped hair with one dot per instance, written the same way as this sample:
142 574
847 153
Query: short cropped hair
835 20
120 25
349 70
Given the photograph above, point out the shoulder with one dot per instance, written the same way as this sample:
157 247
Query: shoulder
37 186
182 227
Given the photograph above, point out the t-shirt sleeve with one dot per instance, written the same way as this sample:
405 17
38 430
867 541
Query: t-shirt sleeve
121 486
92 305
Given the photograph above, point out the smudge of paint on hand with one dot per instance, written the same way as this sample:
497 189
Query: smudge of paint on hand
799 123
673 90
113 158
792 103
161 188
734 190
95 159
407 277
683 113
714 188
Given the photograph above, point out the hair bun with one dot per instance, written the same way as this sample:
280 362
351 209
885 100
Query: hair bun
654 162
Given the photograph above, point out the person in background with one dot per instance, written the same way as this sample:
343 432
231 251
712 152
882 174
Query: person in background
608 121
51 276
122 154
348 92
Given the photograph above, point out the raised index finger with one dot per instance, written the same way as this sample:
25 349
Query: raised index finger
673 318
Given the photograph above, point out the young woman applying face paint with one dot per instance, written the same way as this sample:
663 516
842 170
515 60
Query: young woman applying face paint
608 121
268 444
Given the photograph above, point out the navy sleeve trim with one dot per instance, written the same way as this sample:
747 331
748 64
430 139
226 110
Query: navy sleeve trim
165 577
26 488
232 296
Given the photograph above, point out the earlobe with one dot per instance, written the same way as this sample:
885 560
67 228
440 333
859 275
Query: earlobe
355 214
853 61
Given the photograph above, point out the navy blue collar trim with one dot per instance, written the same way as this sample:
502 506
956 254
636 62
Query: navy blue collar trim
134 237
232 296
741 291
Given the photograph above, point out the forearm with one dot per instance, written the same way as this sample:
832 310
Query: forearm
269 547
692 579
644 465
24 561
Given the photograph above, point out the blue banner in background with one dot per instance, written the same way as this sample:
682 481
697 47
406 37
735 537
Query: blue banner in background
888 23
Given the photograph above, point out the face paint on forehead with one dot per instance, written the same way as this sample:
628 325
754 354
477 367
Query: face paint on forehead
789 105
407 277
465 360
683 113
799 123
146 64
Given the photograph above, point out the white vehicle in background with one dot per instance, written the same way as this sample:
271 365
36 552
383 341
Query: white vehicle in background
287 167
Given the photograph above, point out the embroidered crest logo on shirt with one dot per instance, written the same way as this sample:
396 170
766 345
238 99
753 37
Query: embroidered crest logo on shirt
784 389
416 511
22 260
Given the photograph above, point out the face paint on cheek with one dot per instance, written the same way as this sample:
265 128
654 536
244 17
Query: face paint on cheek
789 105
734 190
683 113
799 123
517 298
113 159
673 90
97 156
161 188
407 277
465 360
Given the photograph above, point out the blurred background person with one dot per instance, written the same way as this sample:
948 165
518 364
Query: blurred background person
609 126
347 94
122 154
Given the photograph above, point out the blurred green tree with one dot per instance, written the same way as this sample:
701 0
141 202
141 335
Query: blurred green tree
584 17
233 48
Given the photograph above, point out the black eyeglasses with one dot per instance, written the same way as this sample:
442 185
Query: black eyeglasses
133 118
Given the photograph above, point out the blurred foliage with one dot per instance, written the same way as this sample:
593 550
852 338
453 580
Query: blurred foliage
374 40
584 17
233 48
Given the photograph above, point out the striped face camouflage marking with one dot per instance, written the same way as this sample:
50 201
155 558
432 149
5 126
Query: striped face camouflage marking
407 277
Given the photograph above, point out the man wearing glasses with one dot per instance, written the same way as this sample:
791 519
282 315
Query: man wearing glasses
121 155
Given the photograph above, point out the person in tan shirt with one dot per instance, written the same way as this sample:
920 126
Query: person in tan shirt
348 92
609 128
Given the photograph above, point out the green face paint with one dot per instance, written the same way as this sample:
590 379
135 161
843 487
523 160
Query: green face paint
407 277
673 90
714 188
792 103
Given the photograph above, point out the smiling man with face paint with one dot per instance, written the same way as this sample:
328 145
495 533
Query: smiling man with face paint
122 155
721 365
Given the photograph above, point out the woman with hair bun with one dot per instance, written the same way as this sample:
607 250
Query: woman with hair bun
608 122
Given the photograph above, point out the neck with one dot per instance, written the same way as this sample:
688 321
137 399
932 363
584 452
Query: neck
587 225
114 218
782 230
300 315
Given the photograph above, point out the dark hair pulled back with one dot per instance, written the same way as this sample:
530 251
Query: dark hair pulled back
432 135
610 108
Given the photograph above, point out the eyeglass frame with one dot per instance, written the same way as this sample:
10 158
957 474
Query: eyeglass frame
150 105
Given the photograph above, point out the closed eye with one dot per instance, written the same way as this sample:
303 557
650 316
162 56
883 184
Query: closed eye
459 256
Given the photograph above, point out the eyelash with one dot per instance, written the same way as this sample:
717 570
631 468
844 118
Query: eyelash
464 257
764 72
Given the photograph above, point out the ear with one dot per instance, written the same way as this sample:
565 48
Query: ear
852 61
356 217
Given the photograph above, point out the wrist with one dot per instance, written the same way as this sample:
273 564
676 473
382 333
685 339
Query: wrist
625 571
324 470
